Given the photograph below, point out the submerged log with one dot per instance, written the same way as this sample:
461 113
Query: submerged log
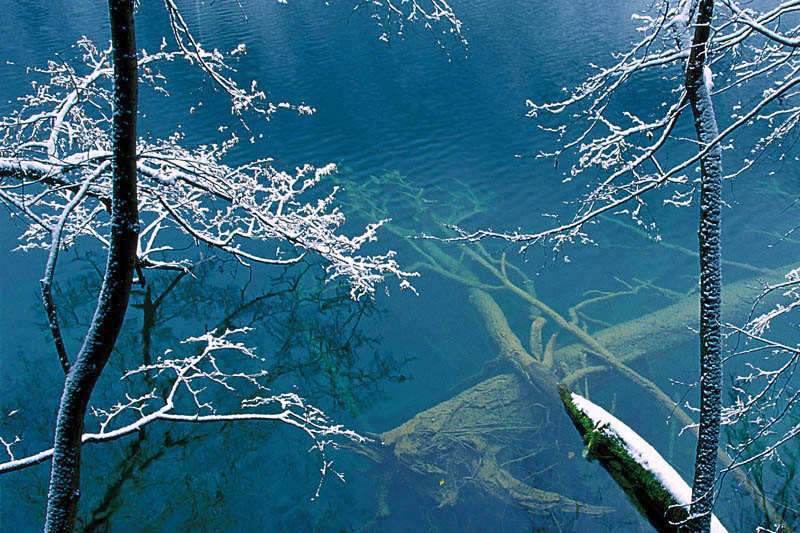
478 439
510 348
669 326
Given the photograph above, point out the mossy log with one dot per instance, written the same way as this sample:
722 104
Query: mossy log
647 488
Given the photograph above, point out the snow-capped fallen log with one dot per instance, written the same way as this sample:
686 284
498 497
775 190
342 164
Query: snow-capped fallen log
654 487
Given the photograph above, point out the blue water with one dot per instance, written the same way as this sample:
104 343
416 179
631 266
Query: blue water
446 121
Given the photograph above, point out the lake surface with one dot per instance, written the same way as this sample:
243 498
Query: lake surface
424 134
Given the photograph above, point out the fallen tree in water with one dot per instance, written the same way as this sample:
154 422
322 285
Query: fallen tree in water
650 483
475 439
575 350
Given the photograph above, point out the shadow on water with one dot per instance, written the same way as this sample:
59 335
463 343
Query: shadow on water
311 336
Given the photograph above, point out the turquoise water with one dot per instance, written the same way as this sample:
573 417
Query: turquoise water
439 131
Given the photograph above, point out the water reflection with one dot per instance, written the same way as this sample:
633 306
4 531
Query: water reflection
311 340
495 449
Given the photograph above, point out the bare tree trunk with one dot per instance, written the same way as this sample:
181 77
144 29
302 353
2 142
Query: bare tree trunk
64 493
705 123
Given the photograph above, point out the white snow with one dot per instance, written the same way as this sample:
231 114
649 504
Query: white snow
643 453
681 19
708 78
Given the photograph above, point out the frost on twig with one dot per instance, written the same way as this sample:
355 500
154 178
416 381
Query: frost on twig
790 292
766 395
215 65
624 154
8 445
436 16
54 173
222 381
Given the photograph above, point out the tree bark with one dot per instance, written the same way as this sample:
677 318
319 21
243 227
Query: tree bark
64 492
705 123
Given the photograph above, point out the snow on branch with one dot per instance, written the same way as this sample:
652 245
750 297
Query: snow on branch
624 154
214 64
634 463
436 16
197 389
790 290
766 395
54 173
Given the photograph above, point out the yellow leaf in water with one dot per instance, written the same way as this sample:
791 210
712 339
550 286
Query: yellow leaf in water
441 482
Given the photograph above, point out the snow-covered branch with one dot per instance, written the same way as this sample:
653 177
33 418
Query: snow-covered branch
54 161
436 16
198 389
752 57
765 397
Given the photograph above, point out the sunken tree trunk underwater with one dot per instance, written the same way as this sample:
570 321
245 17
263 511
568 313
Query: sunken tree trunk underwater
578 348
475 427
64 492
475 440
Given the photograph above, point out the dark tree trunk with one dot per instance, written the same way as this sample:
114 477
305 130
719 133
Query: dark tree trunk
64 493
705 123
